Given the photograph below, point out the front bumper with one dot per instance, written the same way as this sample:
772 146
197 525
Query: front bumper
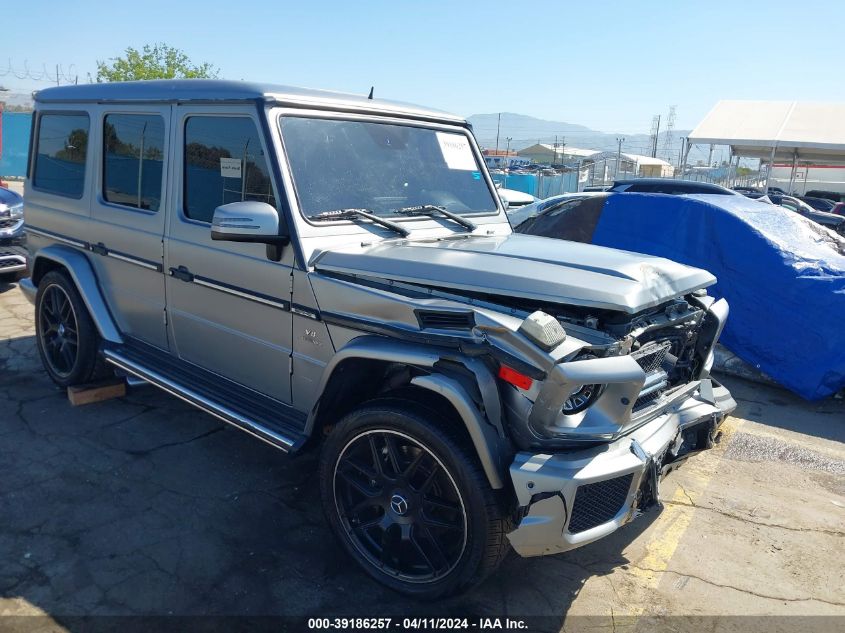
12 257
567 500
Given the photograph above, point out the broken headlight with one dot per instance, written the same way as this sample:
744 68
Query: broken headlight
584 396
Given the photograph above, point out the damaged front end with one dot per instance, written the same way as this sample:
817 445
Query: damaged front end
611 419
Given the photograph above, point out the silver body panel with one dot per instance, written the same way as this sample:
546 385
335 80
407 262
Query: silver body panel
525 266
345 291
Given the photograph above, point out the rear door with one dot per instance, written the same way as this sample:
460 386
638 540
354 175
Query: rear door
228 304
128 212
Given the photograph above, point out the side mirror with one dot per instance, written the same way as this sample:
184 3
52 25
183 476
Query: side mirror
248 221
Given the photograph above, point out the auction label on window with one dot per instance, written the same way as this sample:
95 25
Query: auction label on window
456 151
230 167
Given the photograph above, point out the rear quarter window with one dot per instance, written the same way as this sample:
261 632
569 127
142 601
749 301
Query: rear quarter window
133 160
61 154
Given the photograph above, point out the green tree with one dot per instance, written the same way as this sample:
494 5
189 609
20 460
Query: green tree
158 61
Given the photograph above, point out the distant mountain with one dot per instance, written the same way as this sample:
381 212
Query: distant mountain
526 130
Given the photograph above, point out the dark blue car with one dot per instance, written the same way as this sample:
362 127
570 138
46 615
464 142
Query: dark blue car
12 238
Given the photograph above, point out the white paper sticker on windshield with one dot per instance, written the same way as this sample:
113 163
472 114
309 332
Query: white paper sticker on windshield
230 167
456 151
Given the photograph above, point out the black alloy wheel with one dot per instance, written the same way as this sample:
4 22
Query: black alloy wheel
404 491
400 506
67 339
59 330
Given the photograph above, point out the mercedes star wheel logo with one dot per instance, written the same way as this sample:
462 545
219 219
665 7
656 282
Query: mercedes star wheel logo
398 504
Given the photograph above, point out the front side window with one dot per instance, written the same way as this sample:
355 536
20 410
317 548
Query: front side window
382 168
62 150
224 162
133 160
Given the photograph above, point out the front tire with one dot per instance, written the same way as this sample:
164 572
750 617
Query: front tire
406 496
68 341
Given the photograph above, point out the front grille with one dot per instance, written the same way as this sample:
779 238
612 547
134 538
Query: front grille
10 262
598 502
650 357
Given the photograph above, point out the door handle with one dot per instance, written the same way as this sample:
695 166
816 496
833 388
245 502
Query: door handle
182 273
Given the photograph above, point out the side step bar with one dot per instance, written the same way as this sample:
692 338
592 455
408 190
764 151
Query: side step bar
194 397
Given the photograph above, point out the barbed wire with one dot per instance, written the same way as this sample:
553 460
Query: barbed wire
68 75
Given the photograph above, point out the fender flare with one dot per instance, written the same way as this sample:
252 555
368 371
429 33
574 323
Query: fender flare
83 277
485 434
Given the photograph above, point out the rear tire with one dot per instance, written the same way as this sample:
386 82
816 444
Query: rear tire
406 496
68 341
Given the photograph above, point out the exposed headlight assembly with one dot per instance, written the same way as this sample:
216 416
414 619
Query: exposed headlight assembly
16 211
584 396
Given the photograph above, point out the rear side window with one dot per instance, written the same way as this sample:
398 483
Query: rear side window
224 162
133 160
61 154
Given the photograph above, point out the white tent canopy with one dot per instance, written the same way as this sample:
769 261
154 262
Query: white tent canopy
793 130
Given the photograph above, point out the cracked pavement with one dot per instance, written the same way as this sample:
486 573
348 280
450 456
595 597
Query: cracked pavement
145 506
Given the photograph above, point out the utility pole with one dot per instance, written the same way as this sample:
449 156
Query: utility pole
498 125
667 137
710 156
619 142
655 130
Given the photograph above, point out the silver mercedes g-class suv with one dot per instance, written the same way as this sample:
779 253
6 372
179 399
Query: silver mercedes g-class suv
336 273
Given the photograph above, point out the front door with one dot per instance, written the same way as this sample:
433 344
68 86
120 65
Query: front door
228 305
129 214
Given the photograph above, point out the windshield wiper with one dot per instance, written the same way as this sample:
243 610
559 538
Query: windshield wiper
432 210
357 214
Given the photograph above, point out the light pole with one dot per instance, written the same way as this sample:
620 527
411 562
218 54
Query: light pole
619 142
508 151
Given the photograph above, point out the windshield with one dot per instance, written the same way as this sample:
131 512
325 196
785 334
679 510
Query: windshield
382 168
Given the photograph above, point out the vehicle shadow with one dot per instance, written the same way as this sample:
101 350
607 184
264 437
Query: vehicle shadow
145 506
6 286
775 406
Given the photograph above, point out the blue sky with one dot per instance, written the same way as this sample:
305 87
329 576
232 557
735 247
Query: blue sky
609 65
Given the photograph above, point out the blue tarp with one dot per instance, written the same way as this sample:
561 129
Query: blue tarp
783 275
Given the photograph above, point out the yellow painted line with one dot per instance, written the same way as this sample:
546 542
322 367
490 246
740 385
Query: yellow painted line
674 521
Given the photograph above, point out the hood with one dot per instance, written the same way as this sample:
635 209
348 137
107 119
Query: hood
537 268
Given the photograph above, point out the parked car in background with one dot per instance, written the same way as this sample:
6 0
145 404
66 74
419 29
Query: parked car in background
669 186
783 274
520 214
830 220
12 237
838 208
836 196
513 198
362 294
819 204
